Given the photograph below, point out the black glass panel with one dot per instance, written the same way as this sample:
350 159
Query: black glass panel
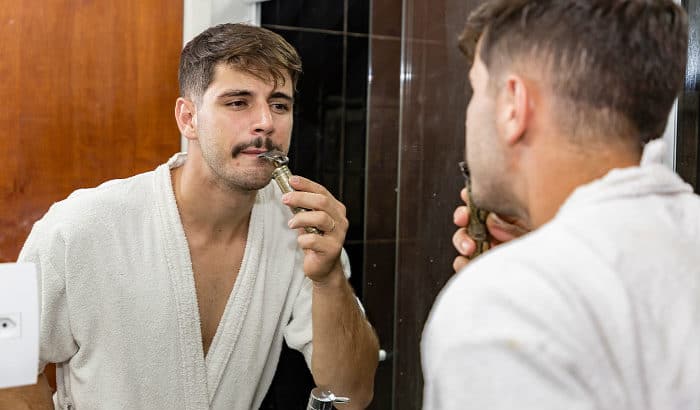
358 13
291 385
355 134
316 14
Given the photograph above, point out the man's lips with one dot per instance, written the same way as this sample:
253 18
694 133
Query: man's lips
253 151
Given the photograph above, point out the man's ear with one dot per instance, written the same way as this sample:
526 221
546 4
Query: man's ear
514 108
186 117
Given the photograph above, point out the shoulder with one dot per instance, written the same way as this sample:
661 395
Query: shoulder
524 268
108 204
515 293
496 285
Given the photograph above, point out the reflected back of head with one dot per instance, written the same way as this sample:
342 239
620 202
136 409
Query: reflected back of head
615 66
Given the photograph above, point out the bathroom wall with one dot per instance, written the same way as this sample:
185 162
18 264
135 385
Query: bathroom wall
85 104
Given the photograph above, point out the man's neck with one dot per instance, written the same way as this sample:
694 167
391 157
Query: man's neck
557 171
208 210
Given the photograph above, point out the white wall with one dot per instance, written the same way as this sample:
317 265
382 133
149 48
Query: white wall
202 14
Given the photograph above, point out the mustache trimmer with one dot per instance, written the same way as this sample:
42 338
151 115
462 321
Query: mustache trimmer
281 175
476 228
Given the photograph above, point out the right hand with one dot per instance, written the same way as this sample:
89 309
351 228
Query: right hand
501 230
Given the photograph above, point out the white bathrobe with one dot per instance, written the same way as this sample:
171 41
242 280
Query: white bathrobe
598 309
119 309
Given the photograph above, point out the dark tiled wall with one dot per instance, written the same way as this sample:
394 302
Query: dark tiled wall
328 141
381 202
431 143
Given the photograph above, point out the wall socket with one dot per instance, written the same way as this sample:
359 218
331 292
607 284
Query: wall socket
10 325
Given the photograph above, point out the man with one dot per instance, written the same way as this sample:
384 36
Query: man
597 307
174 289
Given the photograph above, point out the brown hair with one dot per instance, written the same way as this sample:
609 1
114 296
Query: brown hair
254 50
617 65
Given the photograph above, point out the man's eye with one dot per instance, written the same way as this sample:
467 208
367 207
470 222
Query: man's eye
236 104
280 108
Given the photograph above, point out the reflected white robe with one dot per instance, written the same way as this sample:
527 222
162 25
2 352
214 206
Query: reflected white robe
598 309
119 310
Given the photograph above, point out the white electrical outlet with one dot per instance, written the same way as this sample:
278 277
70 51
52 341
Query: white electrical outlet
19 324
10 325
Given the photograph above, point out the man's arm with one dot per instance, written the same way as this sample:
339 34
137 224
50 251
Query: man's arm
345 348
33 397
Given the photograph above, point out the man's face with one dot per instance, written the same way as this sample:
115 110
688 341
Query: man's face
485 151
240 116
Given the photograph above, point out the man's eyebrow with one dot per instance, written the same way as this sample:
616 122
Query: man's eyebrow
281 95
235 93
247 93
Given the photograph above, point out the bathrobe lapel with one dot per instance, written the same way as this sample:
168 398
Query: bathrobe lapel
198 371
193 375
233 318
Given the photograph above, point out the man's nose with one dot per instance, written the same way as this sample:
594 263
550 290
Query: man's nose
263 120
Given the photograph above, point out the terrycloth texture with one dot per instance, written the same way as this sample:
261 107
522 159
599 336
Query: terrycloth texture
598 309
119 309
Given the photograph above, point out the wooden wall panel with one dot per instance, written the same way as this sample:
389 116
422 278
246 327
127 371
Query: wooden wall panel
88 94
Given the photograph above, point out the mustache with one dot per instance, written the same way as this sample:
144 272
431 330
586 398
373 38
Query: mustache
256 143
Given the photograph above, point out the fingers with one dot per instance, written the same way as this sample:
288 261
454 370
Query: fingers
463 243
459 263
465 246
310 200
328 245
321 252
321 220
323 211
463 195
306 185
461 216
314 196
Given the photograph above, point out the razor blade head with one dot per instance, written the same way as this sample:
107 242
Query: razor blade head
277 158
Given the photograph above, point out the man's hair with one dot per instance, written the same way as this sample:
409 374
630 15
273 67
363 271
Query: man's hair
253 50
616 65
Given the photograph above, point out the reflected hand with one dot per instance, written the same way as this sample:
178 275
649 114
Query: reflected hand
321 251
501 230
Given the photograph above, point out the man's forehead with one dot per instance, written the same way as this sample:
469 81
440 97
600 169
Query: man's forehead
227 75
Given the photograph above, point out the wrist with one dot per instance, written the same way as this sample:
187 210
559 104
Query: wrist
335 279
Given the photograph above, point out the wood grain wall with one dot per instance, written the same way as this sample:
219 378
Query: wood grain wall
88 89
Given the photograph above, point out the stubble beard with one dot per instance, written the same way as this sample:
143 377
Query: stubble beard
237 180
491 185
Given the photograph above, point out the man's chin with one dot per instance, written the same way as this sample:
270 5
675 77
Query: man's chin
251 184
